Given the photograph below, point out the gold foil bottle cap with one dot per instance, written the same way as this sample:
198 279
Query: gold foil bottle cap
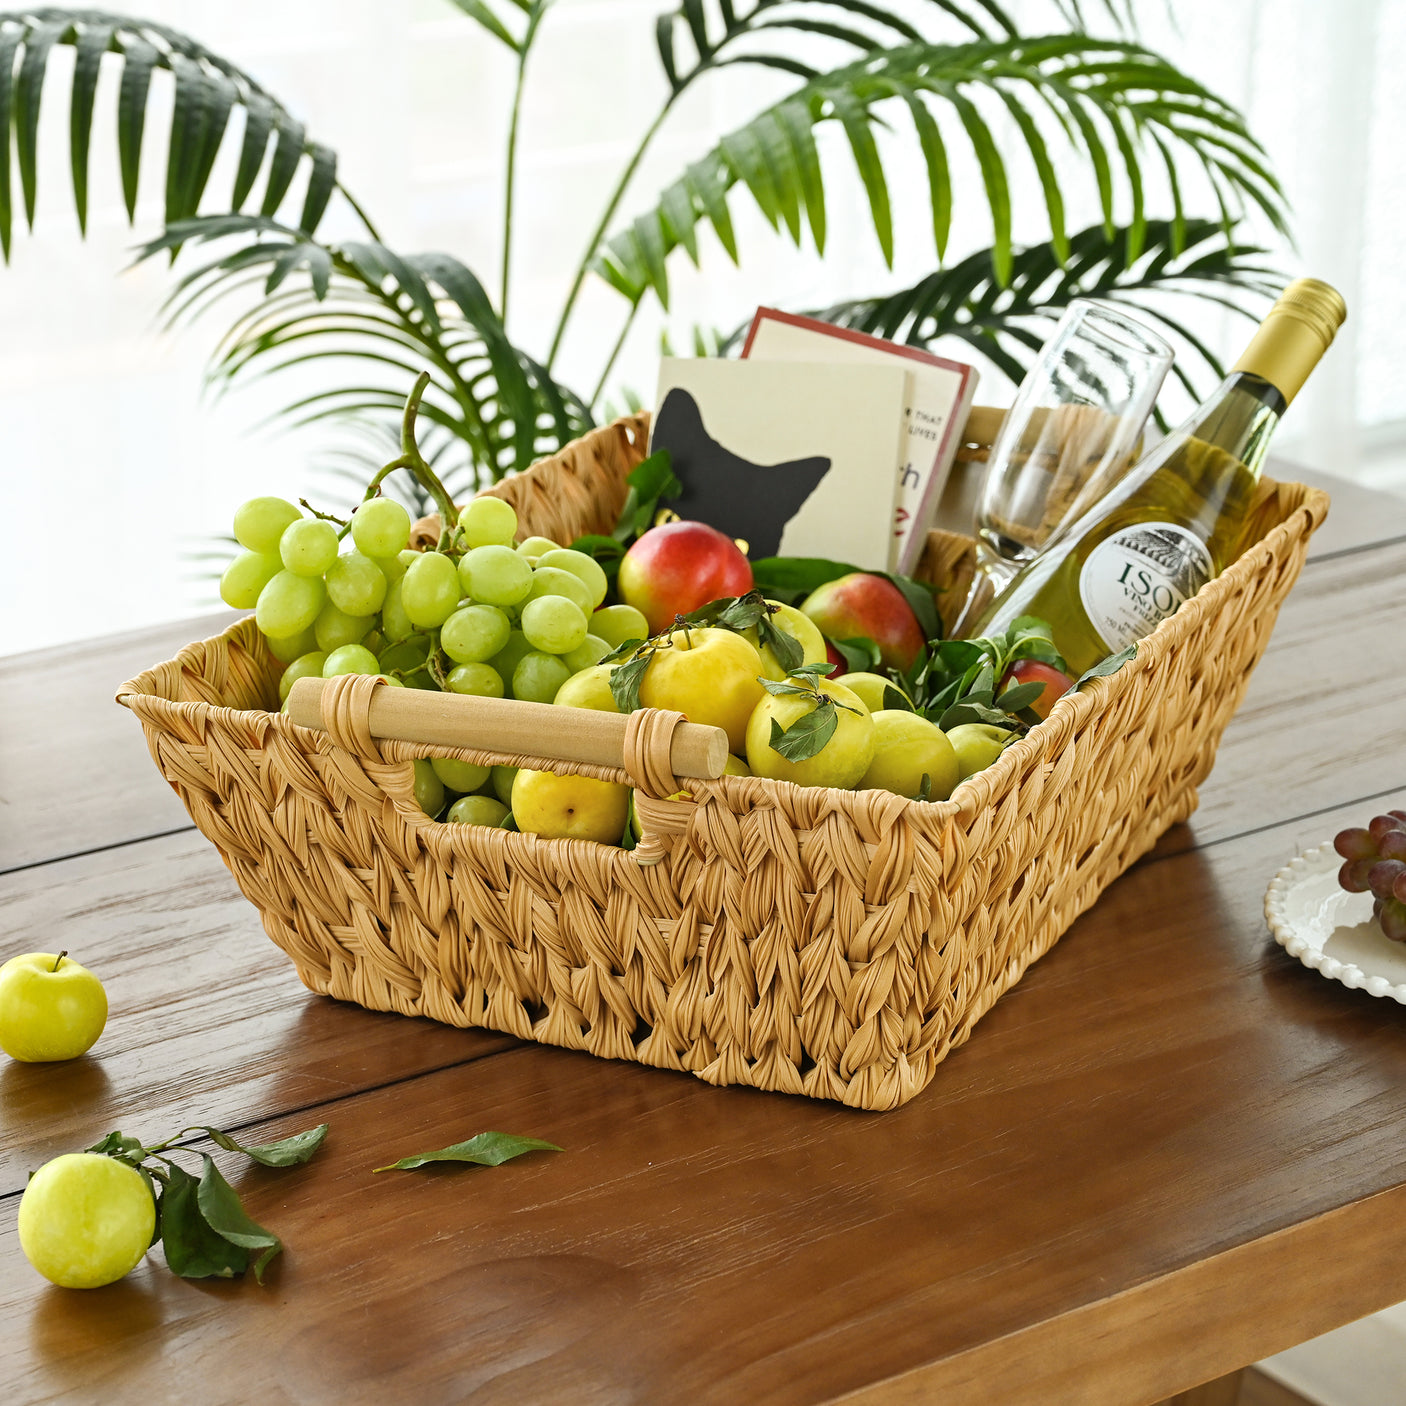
1299 328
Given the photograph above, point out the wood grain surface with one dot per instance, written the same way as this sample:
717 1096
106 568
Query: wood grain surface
1168 1152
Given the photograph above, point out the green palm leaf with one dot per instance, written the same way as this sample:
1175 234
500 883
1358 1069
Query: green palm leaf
1009 323
1111 99
385 317
207 90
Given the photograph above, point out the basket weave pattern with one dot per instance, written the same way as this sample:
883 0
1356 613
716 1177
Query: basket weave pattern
829 943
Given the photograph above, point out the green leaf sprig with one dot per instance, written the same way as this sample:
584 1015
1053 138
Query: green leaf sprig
483 1150
954 681
200 1221
812 730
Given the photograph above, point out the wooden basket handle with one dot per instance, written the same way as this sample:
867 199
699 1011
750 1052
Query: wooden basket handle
511 727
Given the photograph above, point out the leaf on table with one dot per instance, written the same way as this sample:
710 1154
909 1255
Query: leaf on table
286 1152
115 1144
484 1150
194 1248
225 1215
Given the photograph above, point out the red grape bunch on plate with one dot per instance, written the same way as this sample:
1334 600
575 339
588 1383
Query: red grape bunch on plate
1375 859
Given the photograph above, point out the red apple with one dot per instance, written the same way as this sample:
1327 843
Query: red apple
836 658
860 604
678 566
1032 671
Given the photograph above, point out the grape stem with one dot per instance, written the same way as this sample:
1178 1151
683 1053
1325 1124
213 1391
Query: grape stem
411 458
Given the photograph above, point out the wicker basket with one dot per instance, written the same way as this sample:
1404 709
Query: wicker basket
830 943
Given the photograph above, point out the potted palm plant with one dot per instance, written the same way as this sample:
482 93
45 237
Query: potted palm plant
949 71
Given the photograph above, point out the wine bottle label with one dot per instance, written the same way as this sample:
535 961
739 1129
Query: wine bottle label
1137 577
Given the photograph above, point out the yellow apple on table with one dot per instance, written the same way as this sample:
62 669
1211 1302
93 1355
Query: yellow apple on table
841 762
800 627
708 675
51 1008
908 747
569 807
589 689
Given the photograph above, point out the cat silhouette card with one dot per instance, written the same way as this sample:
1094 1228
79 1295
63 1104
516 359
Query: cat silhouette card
794 459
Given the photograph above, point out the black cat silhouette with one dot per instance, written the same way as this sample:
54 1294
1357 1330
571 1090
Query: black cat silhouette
743 499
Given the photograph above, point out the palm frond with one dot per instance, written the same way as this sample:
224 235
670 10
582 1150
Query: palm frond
1009 323
1111 98
512 22
388 316
207 89
691 41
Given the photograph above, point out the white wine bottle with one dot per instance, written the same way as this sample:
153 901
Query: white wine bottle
1176 519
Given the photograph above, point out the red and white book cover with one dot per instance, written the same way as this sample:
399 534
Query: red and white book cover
939 396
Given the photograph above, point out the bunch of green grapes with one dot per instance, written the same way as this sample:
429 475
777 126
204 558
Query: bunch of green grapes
477 615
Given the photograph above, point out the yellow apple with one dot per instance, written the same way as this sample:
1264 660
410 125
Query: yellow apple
569 807
840 762
589 689
735 766
708 675
50 1007
977 745
906 748
800 627
870 687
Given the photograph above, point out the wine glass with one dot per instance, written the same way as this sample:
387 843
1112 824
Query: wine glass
1075 427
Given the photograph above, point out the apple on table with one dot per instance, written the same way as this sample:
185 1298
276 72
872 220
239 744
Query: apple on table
50 1007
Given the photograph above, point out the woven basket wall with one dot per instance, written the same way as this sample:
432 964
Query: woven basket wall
835 944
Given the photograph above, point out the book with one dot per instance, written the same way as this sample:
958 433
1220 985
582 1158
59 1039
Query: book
939 395
792 459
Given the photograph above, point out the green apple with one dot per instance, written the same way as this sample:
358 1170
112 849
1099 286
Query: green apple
800 627
870 687
569 807
86 1220
50 1007
977 745
840 762
589 689
907 748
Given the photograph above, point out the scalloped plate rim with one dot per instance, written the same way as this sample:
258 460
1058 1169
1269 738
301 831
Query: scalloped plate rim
1299 941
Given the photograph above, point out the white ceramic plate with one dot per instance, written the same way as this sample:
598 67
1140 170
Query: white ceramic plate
1331 930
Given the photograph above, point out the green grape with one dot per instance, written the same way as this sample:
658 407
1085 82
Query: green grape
392 568
506 660
289 604
309 546
429 590
553 581
350 659
460 776
246 576
554 624
503 783
590 652
617 623
405 656
395 623
380 527
293 646
259 524
474 633
374 640
481 680
534 547
477 810
538 676
308 666
495 575
334 628
488 522
429 789
355 584
585 569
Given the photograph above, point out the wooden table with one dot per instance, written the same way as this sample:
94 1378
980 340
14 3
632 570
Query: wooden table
1169 1152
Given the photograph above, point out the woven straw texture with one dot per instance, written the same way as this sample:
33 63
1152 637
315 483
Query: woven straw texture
834 944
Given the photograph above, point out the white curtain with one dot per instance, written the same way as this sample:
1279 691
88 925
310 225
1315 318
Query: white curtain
105 436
